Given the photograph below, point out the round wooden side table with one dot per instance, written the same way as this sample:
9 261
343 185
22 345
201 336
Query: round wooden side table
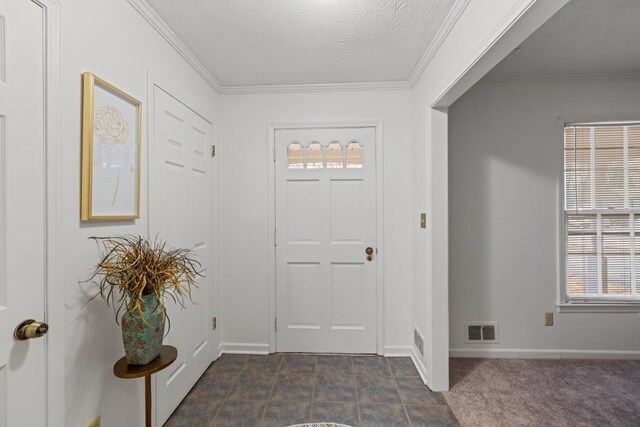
123 370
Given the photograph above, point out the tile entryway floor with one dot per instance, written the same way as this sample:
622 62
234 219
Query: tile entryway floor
283 389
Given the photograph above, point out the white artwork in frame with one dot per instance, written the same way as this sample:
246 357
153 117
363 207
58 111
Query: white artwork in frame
110 152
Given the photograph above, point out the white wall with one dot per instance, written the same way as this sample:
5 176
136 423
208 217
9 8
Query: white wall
110 39
505 172
244 216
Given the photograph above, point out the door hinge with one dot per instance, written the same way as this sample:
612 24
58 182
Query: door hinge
275 326
215 323
213 151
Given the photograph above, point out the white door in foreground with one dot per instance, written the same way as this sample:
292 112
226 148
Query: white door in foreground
181 200
22 212
325 222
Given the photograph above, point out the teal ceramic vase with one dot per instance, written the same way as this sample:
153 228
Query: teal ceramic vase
142 333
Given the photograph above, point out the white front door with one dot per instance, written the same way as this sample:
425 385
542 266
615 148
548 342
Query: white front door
181 206
325 222
22 212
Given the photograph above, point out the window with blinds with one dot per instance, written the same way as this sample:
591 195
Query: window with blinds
602 211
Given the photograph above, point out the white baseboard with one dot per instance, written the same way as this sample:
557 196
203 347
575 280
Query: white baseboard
417 360
242 348
397 351
246 348
525 353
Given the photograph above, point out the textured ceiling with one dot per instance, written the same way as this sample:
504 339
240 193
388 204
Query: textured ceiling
267 42
586 37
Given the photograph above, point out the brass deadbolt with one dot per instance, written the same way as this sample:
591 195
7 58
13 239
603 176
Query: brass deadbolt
30 329
369 250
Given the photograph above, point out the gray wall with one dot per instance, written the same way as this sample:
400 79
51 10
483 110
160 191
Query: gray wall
505 178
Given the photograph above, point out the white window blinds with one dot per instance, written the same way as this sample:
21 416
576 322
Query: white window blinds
602 211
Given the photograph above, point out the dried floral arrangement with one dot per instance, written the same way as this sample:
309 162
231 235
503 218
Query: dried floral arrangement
131 267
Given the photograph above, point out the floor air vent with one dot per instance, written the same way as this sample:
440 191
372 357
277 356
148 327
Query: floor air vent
481 332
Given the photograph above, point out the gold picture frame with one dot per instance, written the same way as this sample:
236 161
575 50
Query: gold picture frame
111 150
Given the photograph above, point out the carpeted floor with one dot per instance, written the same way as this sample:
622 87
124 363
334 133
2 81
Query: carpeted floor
520 392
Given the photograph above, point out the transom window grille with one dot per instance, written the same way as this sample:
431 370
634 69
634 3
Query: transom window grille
315 156
355 154
335 155
602 211
295 156
332 156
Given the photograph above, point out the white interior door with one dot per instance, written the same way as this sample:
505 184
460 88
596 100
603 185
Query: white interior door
181 206
325 221
22 212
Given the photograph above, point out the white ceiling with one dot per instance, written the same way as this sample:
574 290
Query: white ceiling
586 37
269 42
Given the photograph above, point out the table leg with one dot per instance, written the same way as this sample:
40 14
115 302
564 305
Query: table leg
147 398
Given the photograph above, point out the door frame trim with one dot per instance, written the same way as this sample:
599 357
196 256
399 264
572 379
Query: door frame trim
54 299
378 125
54 308
153 80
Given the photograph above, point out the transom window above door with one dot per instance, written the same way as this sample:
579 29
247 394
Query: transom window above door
602 212
332 155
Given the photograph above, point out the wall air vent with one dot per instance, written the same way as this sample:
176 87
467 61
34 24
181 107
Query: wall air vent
418 340
475 333
481 332
488 333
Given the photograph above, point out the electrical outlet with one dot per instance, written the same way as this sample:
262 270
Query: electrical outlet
95 422
548 319
423 220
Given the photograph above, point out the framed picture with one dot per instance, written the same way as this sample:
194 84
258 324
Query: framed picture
111 140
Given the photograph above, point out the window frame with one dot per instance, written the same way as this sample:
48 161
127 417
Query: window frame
565 303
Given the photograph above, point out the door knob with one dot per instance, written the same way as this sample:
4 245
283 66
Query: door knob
369 252
30 329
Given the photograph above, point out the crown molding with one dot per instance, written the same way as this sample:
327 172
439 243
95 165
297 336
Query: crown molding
163 29
322 87
561 78
447 25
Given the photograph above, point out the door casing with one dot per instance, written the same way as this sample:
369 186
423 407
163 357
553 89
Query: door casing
54 299
271 213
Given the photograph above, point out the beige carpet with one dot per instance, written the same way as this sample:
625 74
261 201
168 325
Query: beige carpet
519 392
